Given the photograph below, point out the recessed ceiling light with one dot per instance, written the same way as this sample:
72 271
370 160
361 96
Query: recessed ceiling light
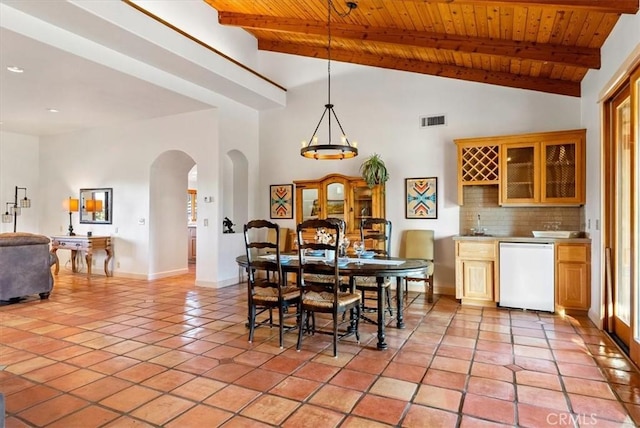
52 110
15 69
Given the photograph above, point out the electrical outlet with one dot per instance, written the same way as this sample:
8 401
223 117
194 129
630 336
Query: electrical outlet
93 262
118 265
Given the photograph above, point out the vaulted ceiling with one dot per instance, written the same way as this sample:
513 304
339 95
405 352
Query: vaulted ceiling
541 45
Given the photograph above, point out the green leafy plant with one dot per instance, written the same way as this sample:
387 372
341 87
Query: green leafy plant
374 171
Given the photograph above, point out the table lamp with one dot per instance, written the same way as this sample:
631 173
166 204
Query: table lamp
71 205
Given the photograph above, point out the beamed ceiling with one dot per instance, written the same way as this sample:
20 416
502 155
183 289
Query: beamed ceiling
542 45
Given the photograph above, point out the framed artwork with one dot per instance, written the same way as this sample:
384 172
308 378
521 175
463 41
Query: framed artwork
281 200
335 206
421 197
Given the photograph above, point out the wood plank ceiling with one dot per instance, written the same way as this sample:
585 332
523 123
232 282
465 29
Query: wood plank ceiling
541 45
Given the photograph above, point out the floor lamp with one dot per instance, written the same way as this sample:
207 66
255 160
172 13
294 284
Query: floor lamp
14 208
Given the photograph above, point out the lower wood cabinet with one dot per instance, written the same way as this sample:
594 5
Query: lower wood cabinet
573 277
476 272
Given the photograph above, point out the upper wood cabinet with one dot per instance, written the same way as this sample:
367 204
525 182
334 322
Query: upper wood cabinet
545 168
339 196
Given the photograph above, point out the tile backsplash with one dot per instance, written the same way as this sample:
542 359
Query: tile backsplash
512 221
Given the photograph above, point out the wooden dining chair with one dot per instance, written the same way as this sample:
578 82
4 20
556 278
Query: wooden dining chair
273 291
376 234
325 297
419 244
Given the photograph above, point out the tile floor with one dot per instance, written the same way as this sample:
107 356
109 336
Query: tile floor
114 352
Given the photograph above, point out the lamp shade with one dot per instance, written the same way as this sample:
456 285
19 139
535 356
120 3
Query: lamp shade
71 204
93 205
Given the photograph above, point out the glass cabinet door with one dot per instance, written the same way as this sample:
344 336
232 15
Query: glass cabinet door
310 204
362 205
519 167
560 171
335 201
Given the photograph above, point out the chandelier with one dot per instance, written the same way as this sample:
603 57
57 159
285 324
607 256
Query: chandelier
329 151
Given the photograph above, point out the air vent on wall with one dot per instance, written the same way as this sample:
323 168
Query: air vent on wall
428 121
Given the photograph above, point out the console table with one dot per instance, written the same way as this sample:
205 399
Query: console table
88 244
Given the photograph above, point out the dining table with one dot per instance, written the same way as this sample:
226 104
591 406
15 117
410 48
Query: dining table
380 267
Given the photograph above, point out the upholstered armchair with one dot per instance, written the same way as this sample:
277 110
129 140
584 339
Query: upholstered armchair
25 265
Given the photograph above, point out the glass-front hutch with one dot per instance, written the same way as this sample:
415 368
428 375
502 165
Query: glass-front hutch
339 196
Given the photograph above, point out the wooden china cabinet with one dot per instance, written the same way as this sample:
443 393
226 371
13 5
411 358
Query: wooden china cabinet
339 196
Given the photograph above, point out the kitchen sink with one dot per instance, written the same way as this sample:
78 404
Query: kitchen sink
556 233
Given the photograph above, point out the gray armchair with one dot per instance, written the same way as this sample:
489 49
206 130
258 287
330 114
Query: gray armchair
25 265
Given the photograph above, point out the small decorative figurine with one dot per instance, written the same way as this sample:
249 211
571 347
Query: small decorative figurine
228 225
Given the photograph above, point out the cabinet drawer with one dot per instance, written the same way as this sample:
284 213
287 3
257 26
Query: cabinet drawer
572 253
477 250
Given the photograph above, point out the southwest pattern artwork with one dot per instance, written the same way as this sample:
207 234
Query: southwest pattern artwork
421 197
281 201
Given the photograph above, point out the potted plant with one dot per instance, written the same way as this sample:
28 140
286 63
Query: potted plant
374 171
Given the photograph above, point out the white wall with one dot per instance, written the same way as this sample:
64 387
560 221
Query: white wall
19 158
380 109
622 45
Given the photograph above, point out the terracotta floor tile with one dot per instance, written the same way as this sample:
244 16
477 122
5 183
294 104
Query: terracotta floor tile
130 398
420 416
368 365
101 388
445 379
574 357
114 365
588 387
442 398
581 371
232 398
381 409
162 409
89 417
358 422
51 410
168 380
29 365
542 398
282 364
261 380
414 358
451 364
394 388
199 415
471 422
312 416
148 352
47 373
198 389
599 407
336 398
295 388
536 364
489 408
197 365
140 372
75 379
229 372
317 371
455 352
542 380
490 357
242 422
124 347
533 416
491 388
406 372
270 409
24 399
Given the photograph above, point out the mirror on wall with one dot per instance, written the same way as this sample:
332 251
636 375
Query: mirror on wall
96 205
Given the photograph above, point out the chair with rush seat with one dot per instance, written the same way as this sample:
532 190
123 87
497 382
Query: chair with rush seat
272 292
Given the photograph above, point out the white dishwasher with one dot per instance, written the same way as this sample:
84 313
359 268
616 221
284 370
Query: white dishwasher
527 275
